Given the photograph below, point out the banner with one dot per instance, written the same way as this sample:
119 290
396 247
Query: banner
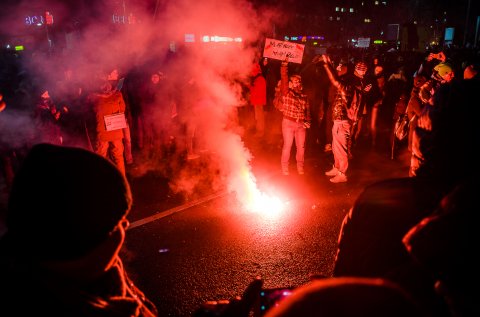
282 50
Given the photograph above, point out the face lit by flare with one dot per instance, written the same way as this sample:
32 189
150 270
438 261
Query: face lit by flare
295 82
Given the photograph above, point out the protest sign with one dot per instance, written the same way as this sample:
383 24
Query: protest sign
282 50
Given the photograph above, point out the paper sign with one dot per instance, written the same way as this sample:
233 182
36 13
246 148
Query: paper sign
282 50
363 42
115 121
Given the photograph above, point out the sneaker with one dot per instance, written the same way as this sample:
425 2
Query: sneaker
285 173
300 171
328 147
339 178
334 171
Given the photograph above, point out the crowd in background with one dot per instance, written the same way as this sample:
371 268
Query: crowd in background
160 107
413 249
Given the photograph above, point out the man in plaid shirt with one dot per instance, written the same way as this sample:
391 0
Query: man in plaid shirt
296 118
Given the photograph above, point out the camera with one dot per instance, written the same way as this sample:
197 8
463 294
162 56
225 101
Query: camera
271 297
255 299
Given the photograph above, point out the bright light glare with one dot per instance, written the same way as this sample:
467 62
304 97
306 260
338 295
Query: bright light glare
265 204
253 199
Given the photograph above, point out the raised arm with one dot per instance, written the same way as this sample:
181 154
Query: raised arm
284 78
328 70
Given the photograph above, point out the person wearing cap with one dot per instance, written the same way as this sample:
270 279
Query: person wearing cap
346 111
295 108
442 76
66 224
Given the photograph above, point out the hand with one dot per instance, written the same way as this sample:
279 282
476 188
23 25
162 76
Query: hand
237 307
441 57
367 88
317 59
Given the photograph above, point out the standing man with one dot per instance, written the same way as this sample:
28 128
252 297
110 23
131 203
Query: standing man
345 112
109 109
114 79
296 118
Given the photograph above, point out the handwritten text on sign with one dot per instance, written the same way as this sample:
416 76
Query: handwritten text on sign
282 50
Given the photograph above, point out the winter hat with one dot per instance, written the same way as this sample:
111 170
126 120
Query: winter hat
64 202
443 69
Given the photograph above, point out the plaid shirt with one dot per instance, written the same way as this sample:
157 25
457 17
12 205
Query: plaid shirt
295 104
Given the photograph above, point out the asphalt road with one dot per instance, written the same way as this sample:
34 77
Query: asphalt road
183 250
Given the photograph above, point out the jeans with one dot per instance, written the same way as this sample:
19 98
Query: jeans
293 130
340 139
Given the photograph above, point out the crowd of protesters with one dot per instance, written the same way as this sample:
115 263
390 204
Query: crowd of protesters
417 240
158 120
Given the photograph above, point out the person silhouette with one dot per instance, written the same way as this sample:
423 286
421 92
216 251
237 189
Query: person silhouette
66 223
346 297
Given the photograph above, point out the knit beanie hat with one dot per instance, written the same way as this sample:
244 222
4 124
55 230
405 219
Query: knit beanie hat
443 69
64 202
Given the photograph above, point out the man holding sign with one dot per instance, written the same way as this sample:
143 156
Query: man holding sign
296 118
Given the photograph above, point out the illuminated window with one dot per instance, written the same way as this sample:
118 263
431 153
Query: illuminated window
367 20
337 9
330 18
377 3
342 9
351 10
338 18
384 3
